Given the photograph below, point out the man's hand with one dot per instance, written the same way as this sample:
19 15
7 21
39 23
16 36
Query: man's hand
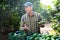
26 28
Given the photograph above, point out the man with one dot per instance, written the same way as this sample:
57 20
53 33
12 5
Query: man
31 18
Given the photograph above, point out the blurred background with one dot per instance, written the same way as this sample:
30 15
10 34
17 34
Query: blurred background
12 10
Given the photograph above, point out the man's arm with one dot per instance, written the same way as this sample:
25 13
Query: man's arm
39 17
22 26
39 20
21 23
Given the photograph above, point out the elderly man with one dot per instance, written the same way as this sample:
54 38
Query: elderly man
31 18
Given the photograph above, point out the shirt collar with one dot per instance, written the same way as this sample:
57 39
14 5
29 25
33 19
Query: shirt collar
32 13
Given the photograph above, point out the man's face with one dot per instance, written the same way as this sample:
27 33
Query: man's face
28 9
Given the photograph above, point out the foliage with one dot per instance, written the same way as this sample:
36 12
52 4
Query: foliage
10 14
56 18
33 36
53 15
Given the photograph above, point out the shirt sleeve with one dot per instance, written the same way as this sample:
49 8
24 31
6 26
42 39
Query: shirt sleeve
21 23
39 17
